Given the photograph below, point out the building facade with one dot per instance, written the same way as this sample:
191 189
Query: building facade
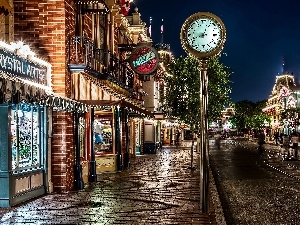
283 96
90 111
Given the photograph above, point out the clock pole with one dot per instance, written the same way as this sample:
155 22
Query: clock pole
203 36
203 128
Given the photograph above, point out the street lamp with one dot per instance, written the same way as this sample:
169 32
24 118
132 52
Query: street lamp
203 36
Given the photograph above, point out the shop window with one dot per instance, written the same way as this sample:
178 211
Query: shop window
26 136
103 135
137 135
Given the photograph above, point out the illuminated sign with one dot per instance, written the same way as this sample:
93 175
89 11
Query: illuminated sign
21 67
144 60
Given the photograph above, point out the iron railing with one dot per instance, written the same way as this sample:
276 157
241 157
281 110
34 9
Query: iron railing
100 62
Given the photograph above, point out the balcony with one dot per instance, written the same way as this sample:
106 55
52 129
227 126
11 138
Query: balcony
99 63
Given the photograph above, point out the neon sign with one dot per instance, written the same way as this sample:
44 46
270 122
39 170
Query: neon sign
144 60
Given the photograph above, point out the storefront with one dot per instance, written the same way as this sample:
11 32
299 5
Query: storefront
118 134
104 140
115 126
150 136
138 144
103 128
24 130
167 133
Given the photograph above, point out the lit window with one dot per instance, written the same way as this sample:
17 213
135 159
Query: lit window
25 136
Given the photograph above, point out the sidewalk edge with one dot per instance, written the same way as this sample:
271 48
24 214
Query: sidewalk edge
220 217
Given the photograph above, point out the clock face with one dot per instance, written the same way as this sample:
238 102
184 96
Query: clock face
203 34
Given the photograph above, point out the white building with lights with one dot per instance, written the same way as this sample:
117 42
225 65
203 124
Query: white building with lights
284 95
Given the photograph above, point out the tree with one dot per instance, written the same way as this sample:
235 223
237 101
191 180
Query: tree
182 97
219 88
249 115
242 111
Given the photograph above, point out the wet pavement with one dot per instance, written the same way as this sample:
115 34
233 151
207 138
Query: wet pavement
256 189
157 189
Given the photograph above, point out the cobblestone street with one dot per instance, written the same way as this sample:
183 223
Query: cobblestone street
256 189
157 189
160 189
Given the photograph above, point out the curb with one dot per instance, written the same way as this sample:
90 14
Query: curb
220 217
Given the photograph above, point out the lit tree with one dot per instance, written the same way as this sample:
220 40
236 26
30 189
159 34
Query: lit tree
242 110
182 98
249 115
219 88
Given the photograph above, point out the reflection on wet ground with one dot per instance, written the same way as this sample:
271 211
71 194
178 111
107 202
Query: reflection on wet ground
157 189
254 188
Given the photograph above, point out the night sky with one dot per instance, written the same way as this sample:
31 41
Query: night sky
259 34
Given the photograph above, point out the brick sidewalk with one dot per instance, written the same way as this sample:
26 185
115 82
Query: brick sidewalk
157 189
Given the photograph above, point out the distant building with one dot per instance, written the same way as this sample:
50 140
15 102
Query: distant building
223 124
282 97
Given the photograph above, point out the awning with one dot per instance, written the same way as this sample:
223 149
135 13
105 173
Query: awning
15 90
114 89
110 86
5 7
104 104
60 103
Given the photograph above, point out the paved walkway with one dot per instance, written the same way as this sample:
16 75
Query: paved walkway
157 189
256 189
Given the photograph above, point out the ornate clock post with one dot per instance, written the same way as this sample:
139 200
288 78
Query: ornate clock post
203 36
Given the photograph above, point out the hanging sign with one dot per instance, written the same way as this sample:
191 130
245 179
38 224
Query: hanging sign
21 67
144 60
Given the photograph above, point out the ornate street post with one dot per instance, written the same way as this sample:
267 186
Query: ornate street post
92 172
126 154
204 159
117 114
203 36
78 168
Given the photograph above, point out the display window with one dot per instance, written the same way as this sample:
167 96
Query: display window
26 135
137 135
103 135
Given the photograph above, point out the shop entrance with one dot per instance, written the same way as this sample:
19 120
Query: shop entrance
23 148
103 138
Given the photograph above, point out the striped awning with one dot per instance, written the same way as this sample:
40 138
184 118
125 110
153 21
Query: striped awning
5 7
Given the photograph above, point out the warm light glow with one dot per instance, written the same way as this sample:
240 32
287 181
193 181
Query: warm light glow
24 51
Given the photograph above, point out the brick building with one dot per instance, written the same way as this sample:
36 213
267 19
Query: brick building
87 45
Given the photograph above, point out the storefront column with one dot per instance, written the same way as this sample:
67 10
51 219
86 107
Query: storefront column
126 154
92 174
78 182
49 150
118 149
5 157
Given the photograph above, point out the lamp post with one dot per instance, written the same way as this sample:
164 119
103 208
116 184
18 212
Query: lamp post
203 36
92 172
77 167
